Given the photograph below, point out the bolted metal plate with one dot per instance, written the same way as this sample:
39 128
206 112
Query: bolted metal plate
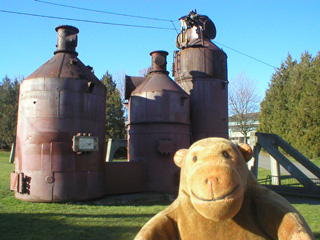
85 144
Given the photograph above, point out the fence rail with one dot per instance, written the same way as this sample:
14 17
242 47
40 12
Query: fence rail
286 180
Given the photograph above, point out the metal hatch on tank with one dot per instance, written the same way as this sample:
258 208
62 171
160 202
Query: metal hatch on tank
159 125
60 129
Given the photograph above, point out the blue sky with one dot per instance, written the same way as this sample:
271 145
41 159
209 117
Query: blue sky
267 30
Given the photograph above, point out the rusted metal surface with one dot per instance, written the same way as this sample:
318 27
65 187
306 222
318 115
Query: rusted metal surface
201 62
200 68
146 142
67 39
60 100
195 30
124 177
66 66
159 124
131 84
159 62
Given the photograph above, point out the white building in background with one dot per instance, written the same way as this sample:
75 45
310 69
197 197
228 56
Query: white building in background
234 131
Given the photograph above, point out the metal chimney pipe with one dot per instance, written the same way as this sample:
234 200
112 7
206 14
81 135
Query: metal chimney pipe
159 61
67 39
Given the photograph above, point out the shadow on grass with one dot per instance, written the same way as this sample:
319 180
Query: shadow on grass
316 235
302 200
70 226
136 200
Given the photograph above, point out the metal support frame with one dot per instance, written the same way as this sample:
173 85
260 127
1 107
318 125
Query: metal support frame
12 153
271 143
113 146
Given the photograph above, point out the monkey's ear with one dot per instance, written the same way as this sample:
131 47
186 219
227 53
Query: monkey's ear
179 157
246 151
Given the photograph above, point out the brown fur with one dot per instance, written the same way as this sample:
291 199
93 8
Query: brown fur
220 199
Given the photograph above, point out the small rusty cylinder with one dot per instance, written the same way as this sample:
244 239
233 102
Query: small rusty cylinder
159 61
67 39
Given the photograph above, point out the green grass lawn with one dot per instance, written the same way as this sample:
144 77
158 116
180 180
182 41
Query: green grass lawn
311 212
85 220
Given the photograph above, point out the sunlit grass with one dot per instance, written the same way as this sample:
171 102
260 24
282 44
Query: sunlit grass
85 220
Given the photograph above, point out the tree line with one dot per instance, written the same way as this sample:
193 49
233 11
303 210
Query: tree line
291 107
9 94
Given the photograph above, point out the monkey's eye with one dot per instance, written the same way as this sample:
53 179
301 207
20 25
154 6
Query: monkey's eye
195 158
225 154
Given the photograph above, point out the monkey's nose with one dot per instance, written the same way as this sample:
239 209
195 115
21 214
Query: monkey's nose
212 182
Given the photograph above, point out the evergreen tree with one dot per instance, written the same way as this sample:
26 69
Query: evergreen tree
115 121
9 94
291 106
274 107
307 122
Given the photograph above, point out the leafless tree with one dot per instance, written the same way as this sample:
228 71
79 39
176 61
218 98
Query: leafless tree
243 104
144 72
119 78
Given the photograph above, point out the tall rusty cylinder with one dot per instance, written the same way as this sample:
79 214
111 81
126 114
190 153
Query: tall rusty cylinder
159 125
200 68
60 130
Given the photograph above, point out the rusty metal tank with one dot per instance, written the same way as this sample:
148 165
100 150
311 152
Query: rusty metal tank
61 129
200 68
159 125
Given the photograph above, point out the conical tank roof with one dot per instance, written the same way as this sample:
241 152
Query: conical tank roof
158 80
65 64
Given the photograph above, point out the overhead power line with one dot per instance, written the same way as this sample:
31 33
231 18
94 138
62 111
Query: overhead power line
87 21
246 55
100 11
125 25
